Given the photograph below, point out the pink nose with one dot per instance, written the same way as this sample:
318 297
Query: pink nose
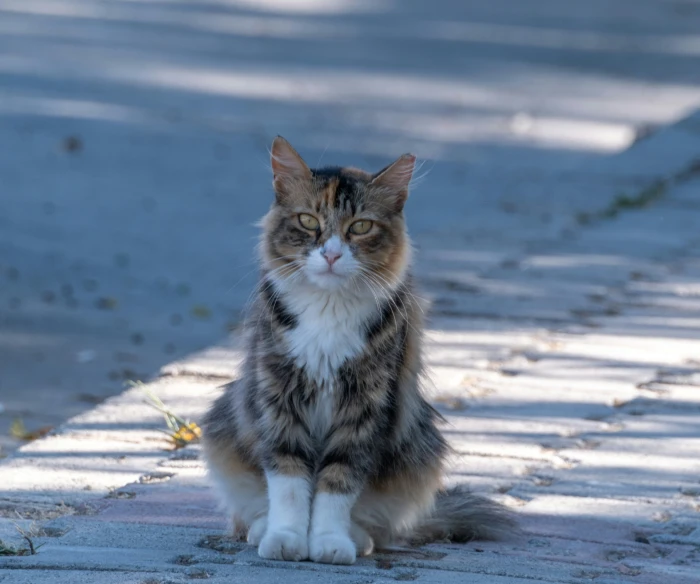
331 256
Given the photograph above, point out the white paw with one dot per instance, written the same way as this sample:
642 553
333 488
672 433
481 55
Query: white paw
284 544
256 531
332 548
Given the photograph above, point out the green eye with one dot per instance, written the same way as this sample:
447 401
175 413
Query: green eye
308 221
361 227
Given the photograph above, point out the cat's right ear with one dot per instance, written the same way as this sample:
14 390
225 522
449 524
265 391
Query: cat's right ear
394 180
288 168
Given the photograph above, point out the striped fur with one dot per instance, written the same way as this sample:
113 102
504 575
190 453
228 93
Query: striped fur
325 448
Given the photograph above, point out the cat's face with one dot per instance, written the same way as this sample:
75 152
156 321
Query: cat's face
336 227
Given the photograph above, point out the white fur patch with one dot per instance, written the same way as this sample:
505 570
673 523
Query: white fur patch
290 502
330 328
287 532
331 513
329 536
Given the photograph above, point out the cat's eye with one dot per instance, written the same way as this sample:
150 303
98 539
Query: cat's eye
308 221
361 227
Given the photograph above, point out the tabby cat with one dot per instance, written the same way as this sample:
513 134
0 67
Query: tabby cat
325 448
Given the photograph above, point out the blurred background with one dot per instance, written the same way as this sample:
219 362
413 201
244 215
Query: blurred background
134 163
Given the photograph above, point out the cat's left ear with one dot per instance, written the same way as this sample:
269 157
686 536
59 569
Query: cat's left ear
393 181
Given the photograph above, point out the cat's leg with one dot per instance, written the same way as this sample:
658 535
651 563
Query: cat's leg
286 537
330 541
332 538
241 490
288 457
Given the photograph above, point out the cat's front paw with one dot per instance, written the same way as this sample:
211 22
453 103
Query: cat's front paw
332 548
284 544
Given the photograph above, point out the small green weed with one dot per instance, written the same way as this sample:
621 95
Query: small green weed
181 432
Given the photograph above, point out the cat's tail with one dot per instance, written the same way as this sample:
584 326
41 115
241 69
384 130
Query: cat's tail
461 516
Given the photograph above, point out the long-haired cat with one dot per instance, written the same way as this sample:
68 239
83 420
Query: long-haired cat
325 448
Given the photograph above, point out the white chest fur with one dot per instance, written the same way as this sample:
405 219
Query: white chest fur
330 330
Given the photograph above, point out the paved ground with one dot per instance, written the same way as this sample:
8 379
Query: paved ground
134 136
563 268
569 370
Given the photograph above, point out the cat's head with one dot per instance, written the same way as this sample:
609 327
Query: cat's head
335 227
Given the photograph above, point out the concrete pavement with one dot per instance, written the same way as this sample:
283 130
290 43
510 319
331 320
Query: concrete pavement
563 266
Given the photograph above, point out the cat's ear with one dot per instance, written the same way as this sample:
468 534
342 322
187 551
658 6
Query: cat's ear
288 168
392 182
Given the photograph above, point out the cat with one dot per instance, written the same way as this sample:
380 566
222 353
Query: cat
324 448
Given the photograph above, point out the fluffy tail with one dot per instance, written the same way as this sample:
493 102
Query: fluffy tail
461 516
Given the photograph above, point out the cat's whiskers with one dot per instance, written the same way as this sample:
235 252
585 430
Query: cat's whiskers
261 281
256 268
392 301
254 261
295 272
371 285
370 288
269 303
416 299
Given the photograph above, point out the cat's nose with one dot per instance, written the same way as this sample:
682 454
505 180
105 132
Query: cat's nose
331 256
